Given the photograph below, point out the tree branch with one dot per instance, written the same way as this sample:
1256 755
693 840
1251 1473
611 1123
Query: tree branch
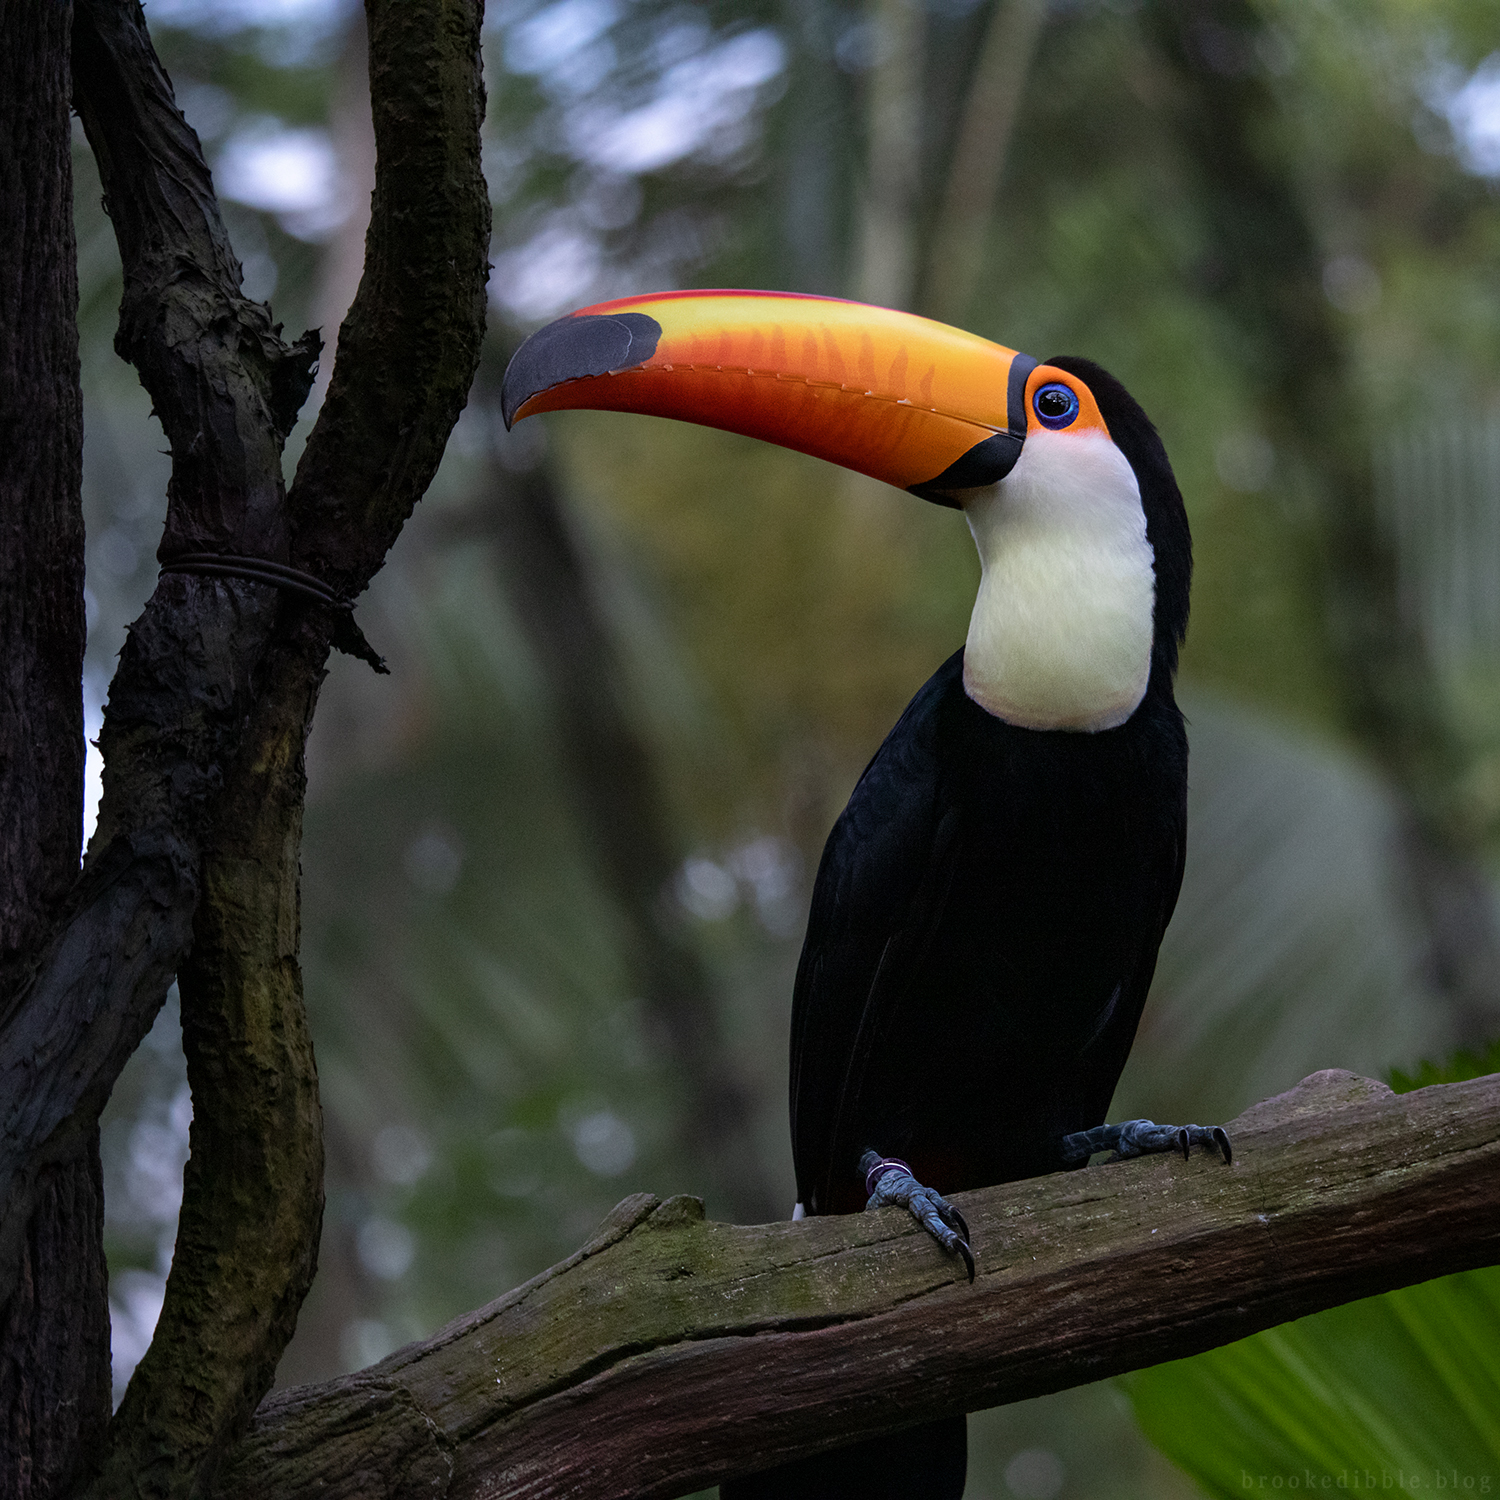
226 389
252 1203
209 710
670 1353
252 1206
54 1327
410 344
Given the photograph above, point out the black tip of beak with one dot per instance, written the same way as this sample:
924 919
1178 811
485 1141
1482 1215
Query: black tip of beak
572 348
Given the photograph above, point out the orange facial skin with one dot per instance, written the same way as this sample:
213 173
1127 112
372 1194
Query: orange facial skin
885 393
1088 418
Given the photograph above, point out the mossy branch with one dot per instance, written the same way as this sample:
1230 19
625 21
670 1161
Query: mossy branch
671 1353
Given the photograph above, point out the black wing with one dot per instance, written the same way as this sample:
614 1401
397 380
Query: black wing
1103 1052
880 890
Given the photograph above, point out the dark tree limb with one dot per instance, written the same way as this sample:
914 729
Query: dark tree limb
54 1327
247 1232
41 476
209 711
670 1353
410 344
218 375
247 1238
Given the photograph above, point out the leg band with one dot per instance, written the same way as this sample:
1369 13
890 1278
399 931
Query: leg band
881 1167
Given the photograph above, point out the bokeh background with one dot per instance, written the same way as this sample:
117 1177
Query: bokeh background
557 864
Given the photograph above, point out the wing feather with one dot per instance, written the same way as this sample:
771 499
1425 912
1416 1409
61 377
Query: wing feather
876 902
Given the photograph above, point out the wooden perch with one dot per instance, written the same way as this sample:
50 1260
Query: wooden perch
671 1352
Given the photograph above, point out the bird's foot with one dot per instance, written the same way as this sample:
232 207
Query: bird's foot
1138 1137
888 1180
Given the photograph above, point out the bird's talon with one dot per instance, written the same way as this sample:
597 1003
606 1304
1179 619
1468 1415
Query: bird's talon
963 1249
890 1184
954 1219
1132 1138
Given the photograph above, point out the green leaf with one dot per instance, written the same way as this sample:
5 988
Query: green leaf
1394 1393
1461 1066
1397 1392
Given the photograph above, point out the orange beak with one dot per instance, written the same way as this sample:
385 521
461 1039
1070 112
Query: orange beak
920 405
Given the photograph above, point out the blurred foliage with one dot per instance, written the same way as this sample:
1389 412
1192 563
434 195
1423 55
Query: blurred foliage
1461 1066
1398 1391
493 1077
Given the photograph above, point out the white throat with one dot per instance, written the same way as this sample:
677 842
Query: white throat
1060 637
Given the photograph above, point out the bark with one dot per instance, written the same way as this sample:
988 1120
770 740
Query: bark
1265 270
811 151
54 1369
253 1192
671 1353
41 458
208 713
252 1206
54 1327
184 686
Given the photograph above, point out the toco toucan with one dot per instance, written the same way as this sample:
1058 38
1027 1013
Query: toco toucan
989 905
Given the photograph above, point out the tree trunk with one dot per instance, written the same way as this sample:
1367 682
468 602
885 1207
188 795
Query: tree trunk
886 249
208 715
972 185
54 1326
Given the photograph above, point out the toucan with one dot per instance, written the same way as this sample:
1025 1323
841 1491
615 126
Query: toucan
987 913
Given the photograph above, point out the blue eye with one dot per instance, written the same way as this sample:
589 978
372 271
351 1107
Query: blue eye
1056 406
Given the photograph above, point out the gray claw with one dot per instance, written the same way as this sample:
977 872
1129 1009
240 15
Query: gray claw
956 1221
1132 1138
898 1188
968 1255
963 1226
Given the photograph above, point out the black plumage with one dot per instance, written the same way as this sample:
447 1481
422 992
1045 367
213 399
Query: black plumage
983 933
